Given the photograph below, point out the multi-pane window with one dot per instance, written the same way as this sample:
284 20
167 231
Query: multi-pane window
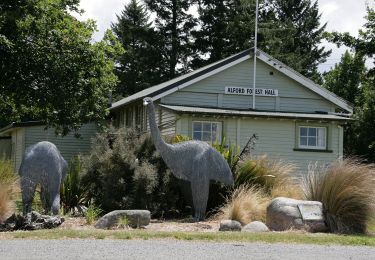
312 137
207 131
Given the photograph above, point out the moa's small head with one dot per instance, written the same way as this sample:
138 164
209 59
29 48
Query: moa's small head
146 101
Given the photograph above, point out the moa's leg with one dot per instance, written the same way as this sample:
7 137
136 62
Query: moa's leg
200 191
28 190
44 198
55 199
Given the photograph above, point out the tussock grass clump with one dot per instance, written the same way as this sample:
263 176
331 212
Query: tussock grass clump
8 180
245 204
5 201
275 177
7 175
347 191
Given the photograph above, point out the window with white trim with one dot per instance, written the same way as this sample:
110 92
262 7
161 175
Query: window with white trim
207 131
311 137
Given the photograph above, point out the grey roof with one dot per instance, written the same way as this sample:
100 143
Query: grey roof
20 124
153 91
251 113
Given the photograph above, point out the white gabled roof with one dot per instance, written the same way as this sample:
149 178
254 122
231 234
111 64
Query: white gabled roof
171 86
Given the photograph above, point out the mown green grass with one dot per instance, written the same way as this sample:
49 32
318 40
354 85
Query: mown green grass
272 237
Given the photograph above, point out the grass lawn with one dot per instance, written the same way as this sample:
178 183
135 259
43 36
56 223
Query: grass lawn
271 237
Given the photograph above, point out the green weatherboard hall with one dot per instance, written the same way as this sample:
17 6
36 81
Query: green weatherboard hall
294 118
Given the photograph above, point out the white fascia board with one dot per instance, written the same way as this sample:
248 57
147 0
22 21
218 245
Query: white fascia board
304 81
206 75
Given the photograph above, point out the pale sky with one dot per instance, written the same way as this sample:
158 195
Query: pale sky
340 15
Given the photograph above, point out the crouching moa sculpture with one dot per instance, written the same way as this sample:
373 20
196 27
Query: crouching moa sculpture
42 164
193 161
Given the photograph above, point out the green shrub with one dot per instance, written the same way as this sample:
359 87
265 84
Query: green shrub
72 192
124 171
92 213
230 152
347 191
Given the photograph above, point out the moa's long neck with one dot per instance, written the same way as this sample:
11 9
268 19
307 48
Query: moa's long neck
155 133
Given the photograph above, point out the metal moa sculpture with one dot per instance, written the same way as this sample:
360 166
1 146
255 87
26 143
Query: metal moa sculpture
193 161
42 164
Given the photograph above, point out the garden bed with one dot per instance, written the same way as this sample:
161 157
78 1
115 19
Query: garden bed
79 223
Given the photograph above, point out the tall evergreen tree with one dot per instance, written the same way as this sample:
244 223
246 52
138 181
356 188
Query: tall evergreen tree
361 134
173 24
298 33
138 66
226 27
345 78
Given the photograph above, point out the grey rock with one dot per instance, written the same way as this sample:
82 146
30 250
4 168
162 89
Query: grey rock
42 164
230 225
135 218
193 161
255 227
31 221
286 213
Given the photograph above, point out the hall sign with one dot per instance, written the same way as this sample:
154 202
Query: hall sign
267 92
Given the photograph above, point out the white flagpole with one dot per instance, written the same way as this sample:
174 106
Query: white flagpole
255 51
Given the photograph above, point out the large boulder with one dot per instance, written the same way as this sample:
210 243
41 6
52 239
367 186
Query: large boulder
255 227
230 225
285 213
134 218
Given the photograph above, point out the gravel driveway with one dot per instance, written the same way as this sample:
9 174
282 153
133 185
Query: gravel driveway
172 249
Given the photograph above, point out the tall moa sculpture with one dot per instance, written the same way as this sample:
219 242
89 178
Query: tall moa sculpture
193 161
42 164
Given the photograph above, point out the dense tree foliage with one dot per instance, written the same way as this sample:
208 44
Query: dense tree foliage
360 135
138 68
177 42
225 27
296 35
345 78
173 24
50 70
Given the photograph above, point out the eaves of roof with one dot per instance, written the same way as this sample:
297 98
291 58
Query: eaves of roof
253 113
14 125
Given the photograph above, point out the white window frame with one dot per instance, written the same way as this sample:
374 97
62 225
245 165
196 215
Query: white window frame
307 146
218 131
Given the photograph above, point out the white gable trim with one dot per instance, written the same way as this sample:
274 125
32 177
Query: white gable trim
213 72
278 65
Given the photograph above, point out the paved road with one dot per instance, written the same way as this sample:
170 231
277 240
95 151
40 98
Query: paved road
172 249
